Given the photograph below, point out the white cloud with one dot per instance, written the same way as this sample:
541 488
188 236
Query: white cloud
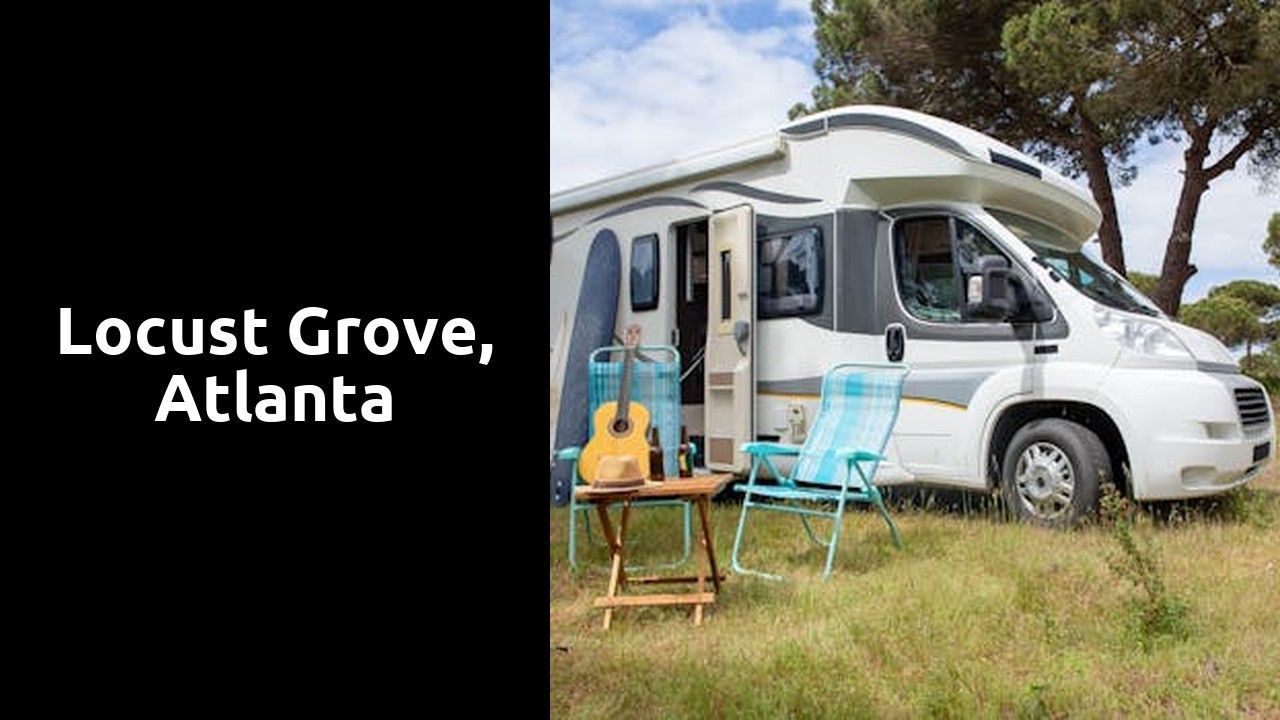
794 6
664 4
576 33
695 84
1229 228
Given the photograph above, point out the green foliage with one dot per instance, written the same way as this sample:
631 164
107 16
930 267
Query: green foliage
1210 61
948 59
1265 368
1056 48
934 57
1272 243
1157 612
1262 297
1247 504
1145 282
1227 318
1209 69
1242 311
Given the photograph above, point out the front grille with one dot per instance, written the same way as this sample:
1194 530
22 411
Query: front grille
1252 404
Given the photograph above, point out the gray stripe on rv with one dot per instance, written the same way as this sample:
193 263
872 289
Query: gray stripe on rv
954 388
1221 368
738 188
637 205
805 128
798 386
855 281
647 203
906 127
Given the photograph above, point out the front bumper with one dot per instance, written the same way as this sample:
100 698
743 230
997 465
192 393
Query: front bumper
1184 432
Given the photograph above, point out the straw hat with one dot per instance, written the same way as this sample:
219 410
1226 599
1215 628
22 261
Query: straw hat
618 472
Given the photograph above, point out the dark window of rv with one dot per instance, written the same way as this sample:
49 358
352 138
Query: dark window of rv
644 273
789 274
725 311
935 256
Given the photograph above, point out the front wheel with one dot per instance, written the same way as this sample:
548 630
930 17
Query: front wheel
1052 471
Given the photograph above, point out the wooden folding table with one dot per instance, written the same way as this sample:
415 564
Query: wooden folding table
699 490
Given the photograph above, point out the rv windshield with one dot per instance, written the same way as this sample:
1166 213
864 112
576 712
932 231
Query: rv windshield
1095 280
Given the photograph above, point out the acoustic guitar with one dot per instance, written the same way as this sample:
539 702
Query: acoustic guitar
622 427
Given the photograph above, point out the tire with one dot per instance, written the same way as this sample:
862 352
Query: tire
1052 472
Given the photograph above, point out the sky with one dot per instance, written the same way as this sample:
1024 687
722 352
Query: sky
639 82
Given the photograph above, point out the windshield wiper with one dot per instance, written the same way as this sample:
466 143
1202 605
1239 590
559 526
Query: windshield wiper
1123 301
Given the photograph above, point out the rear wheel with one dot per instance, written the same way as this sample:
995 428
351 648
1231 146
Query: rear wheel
1052 471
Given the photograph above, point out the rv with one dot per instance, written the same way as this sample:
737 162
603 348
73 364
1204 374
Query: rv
878 234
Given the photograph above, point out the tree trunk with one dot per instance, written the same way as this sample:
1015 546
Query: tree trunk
1177 268
1095 167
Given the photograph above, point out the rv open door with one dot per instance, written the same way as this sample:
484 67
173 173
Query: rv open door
731 339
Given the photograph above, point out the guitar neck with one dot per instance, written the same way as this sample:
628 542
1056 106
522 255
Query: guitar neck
624 392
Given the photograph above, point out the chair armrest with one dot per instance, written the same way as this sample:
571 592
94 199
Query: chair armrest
849 454
768 448
569 453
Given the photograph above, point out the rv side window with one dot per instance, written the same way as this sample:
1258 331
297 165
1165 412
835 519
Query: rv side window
934 257
789 274
927 278
644 273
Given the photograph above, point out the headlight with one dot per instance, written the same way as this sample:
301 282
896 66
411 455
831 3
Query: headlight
1140 336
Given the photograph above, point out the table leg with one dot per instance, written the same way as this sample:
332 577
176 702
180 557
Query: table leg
622 533
702 573
615 546
704 511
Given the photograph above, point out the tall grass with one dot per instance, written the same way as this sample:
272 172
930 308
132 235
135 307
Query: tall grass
1158 612
975 617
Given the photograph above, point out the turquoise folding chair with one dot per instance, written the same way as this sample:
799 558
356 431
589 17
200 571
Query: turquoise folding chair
655 383
838 460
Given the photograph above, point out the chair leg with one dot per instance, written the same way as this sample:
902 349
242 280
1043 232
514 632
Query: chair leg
573 535
813 537
835 538
688 546
873 494
893 529
737 544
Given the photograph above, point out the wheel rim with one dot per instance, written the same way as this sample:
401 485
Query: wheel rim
1045 480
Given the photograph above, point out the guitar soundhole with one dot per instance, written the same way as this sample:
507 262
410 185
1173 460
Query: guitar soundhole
620 427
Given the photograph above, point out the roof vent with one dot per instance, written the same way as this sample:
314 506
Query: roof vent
1015 163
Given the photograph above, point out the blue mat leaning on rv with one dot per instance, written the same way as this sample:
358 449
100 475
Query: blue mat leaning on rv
593 324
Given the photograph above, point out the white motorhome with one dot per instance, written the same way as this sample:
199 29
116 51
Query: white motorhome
871 233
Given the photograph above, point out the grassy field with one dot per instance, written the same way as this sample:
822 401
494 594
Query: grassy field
975 617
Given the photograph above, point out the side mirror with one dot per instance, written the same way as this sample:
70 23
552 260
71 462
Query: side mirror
1034 307
997 292
988 292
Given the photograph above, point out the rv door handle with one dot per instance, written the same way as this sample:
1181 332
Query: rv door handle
742 333
895 340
